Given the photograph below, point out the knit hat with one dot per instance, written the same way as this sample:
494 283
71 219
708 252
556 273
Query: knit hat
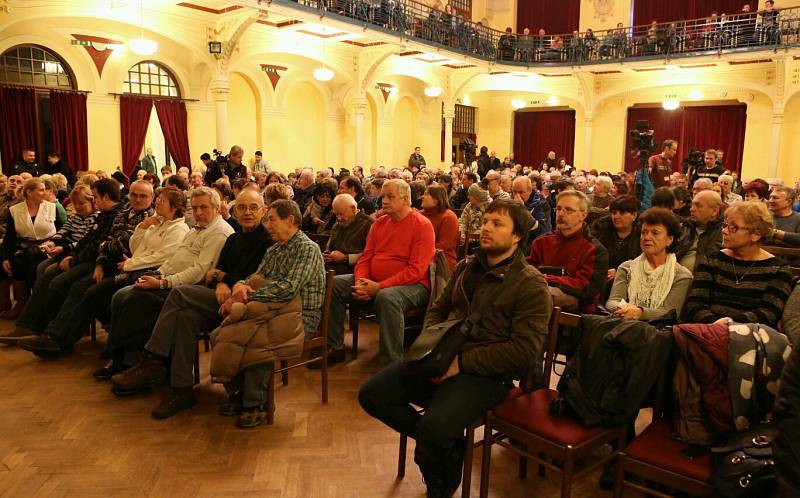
477 192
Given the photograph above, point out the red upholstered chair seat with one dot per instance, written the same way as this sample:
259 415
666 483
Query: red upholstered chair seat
515 392
656 446
531 413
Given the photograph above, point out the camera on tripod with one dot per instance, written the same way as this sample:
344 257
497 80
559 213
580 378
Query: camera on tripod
644 142
468 147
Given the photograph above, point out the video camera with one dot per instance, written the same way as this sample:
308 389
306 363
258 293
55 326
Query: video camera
468 147
693 160
644 143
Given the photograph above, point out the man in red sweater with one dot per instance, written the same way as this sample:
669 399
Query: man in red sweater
578 263
392 271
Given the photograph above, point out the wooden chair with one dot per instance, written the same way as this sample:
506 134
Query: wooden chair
320 239
555 442
654 456
788 252
467 247
205 336
319 341
471 444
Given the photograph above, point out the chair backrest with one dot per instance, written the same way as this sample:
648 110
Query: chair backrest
320 239
557 320
326 304
791 252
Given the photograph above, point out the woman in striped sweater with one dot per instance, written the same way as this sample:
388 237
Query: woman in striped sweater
742 283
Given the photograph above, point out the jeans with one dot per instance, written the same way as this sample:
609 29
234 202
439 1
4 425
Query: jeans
254 380
450 407
389 305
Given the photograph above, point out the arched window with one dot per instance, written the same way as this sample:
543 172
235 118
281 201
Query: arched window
151 78
36 66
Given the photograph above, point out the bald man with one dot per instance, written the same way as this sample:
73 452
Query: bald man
702 232
348 235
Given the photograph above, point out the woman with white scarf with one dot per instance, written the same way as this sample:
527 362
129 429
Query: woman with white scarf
654 285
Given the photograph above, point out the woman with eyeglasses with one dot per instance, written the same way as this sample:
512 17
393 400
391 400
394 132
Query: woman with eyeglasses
742 283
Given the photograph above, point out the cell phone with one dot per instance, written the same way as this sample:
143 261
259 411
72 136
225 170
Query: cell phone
693 452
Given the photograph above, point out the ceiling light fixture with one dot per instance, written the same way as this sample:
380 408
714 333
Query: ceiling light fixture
552 101
323 74
517 104
670 104
142 46
433 91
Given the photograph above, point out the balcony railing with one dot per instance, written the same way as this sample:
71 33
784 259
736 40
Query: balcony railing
766 29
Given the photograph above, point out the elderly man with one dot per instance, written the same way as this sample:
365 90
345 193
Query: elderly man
601 197
52 286
352 185
135 308
787 223
702 232
69 324
392 272
701 184
500 348
348 235
191 309
458 199
524 193
726 186
304 189
660 165
196 179
575 264
494 186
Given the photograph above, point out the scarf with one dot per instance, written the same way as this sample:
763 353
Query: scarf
648 287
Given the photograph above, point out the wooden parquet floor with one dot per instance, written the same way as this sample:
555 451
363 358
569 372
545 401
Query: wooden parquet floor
64 434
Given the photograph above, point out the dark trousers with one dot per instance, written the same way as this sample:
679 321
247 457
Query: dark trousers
85 301
134 313
49 293
450 407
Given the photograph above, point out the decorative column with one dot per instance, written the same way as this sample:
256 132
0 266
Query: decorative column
588 123
449 115
220 88
359 111
775 143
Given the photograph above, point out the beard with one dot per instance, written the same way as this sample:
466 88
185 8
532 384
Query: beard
496 249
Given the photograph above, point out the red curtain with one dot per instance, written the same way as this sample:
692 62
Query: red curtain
645 11
701 127
559 17
134 114
18 108
537 133
172 116
68 114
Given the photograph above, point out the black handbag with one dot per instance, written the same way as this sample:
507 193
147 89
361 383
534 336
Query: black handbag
437 346
743 467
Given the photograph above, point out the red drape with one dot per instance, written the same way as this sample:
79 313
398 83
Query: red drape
558 17
172 116
68 114
134 114
537 133
18 111
645 11
701 127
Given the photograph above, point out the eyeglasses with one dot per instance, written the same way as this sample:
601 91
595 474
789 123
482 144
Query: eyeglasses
731 228
253 208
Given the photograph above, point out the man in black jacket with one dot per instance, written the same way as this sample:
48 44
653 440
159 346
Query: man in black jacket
484 162
27 164
56 164
352 185
51 288
503 345
459 198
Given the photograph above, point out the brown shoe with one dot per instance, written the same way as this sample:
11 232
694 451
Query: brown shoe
19 333
177 399
149 372
21 294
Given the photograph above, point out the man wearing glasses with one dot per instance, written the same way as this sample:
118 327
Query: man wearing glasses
726 186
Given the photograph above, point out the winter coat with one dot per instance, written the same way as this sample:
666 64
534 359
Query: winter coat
509 339
615 367
268 332
619 250
786 446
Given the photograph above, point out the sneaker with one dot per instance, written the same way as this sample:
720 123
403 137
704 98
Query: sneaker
43 346
233 406
178 398
149 372
335 356
19 333
252 416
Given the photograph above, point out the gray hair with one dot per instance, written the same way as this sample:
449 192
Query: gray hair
144 183
703 181
344 200
605 181
236 149
210 192
403 189
583 201
524 179
788 191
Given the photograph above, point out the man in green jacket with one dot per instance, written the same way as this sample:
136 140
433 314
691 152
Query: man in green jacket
505 344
